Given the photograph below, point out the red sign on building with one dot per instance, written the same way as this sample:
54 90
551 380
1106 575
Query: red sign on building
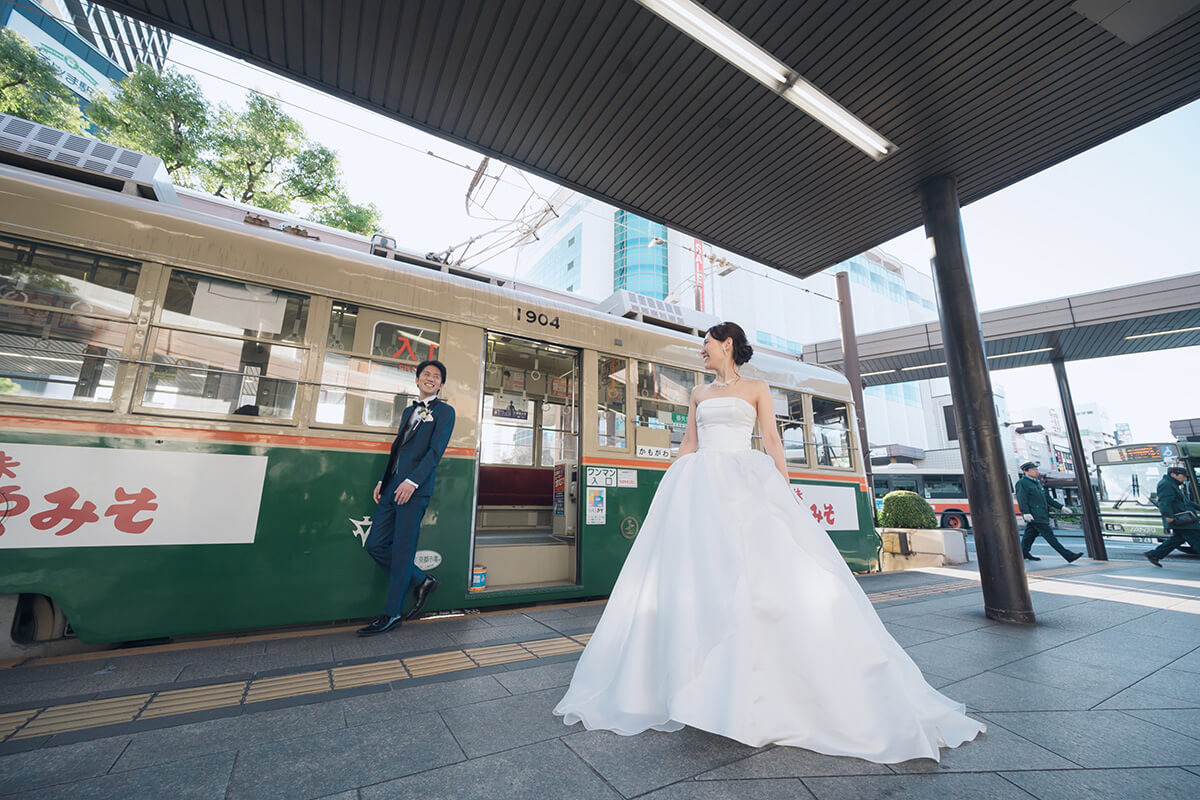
698 262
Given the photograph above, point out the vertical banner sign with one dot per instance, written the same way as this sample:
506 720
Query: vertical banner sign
698 263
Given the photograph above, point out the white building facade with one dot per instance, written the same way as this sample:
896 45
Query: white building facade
594 249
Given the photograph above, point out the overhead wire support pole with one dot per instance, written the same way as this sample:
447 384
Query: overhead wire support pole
1001 568
1093 536
852 372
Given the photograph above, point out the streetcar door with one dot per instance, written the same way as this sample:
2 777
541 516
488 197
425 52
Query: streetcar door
525 532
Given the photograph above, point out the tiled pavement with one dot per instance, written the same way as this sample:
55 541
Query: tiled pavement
1099 700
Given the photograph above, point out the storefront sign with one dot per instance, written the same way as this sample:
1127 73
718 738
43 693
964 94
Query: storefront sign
79 76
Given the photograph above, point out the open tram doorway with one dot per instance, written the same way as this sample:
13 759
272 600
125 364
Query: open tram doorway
525 518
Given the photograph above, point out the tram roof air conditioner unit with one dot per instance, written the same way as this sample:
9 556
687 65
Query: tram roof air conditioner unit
631 305
41 148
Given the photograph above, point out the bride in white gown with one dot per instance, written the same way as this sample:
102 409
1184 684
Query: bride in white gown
734 612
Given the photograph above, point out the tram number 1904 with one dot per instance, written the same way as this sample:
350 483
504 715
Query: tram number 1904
535 318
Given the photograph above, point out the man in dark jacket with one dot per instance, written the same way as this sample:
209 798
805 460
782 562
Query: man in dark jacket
1034 501
402 494
1173 501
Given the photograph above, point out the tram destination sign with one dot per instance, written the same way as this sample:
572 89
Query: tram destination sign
1137 453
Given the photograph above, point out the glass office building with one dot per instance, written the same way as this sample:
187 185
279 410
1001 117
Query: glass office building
639 255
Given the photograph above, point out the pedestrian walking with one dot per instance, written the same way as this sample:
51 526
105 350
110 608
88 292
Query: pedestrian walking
1179 514
1034 500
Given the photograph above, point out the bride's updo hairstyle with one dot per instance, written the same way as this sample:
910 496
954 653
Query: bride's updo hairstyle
731 330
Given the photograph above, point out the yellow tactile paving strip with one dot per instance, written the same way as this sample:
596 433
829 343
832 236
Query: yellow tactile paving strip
48 720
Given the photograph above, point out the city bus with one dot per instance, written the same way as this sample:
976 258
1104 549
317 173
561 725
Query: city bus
1128 477
945 491
194 412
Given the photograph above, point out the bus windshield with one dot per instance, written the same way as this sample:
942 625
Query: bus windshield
1130 483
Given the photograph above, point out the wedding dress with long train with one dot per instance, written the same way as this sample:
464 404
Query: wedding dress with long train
734 613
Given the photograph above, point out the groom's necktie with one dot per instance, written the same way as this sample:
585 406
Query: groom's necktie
413 421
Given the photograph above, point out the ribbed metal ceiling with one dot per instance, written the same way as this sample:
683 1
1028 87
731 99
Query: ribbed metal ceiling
607 98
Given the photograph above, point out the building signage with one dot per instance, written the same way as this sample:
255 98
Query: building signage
55 496
79 76
698 266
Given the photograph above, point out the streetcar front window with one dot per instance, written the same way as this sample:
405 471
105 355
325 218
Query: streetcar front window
1130 483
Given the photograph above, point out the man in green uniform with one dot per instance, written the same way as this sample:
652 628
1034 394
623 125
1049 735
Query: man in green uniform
1172 501
1034 501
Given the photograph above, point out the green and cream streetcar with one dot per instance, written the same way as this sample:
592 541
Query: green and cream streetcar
194 412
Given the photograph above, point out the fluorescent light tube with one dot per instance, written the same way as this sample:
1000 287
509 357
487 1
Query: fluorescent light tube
730 44
1022 352
1160 333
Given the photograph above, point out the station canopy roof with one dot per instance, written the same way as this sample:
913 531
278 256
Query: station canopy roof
608 98
1156 315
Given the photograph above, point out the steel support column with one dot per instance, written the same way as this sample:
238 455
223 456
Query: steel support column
850 367
1001 570
1093 537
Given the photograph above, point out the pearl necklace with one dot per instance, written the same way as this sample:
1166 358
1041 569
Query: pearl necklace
722 384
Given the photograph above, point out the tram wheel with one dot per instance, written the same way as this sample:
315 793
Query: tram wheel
34 620
954 521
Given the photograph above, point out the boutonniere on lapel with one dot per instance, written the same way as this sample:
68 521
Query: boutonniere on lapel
424 414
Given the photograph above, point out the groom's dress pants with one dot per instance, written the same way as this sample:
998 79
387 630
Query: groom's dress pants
393 543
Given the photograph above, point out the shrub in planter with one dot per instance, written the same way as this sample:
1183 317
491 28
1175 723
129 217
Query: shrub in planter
906 510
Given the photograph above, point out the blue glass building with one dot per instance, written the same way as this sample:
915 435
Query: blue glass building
638 266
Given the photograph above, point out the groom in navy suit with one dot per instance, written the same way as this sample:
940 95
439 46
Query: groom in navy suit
402 495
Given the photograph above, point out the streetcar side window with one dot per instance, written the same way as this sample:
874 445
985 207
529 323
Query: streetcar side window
64 318
228 348
789 417
611 394
663 397
368 374
831 431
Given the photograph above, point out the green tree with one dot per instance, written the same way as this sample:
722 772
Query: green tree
163 114
261 156
30 88
339 212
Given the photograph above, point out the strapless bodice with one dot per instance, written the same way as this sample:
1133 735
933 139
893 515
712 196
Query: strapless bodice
725 423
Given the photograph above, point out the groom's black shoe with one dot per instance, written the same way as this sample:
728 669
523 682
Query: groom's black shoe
421 594
1032 557
381 624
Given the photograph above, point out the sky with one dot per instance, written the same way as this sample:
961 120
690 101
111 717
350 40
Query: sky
1120 213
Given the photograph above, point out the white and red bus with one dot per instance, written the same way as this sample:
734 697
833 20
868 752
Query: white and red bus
945 491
